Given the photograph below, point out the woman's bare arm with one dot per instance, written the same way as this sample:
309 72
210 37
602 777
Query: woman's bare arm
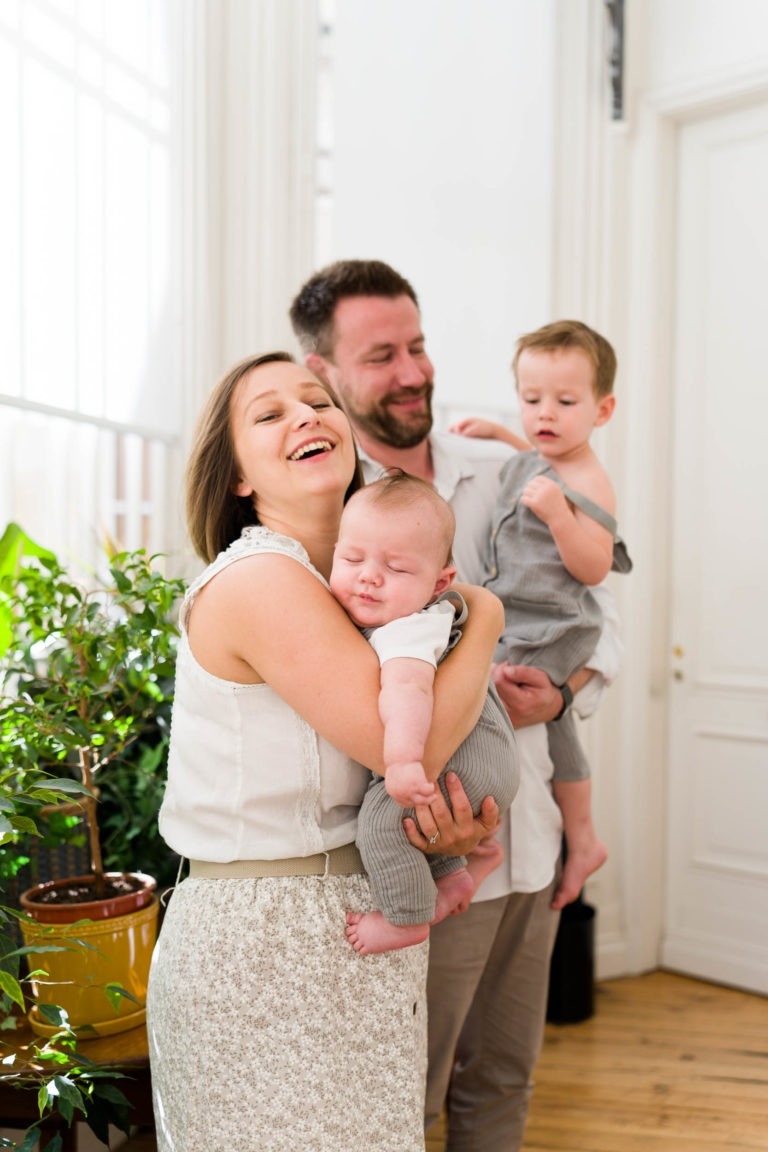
267 618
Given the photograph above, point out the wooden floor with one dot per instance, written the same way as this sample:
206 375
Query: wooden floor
666 1064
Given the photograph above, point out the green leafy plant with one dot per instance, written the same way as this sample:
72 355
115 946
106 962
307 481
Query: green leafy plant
87 675
68 1082
86 685
15 545
61 1077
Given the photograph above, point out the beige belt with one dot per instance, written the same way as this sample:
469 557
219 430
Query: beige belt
343 861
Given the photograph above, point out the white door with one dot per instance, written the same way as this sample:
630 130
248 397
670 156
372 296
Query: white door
716 919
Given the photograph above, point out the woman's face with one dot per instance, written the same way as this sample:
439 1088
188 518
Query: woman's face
291 442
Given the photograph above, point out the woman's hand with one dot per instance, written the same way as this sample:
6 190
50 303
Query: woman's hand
451 828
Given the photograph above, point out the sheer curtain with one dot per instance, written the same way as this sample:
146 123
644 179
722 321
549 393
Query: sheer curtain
156 215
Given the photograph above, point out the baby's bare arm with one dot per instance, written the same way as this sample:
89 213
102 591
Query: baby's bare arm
405 707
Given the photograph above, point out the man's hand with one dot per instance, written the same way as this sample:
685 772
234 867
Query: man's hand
528 694
451 828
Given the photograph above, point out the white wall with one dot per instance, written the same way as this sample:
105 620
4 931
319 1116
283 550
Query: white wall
682 56
693 39
443 167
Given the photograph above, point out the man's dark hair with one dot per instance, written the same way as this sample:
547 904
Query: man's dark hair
313 309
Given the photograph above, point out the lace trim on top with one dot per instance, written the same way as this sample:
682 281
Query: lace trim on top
253 540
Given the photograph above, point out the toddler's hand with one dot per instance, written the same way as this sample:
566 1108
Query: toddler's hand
476 428
407 784
545 498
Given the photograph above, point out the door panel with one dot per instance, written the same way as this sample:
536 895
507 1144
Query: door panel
716 923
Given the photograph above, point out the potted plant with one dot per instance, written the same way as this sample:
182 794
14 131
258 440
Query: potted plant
61 1078
82 674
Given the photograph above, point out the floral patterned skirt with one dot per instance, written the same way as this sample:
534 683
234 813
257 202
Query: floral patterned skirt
269 1033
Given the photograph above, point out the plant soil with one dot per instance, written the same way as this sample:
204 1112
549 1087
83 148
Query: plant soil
85 893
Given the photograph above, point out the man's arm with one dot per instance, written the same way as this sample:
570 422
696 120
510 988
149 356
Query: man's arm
530 697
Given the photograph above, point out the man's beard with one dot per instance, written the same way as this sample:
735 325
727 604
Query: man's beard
381 423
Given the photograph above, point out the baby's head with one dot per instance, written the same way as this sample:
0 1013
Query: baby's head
564 374
393 554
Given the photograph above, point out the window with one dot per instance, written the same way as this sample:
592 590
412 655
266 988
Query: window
324 130
90 269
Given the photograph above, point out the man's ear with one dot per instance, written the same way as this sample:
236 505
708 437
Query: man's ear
445 579
319 366
605 410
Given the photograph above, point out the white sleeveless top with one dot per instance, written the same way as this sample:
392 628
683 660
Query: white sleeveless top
248 778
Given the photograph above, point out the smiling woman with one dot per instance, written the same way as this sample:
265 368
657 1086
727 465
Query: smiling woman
275 724
289 419
218 504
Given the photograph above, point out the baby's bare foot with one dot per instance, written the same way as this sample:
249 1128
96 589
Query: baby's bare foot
370 932
484 860
580 863
454 893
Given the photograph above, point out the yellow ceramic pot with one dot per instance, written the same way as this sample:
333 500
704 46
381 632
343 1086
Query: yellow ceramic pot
118 951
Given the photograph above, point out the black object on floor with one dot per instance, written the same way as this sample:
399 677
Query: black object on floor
572 969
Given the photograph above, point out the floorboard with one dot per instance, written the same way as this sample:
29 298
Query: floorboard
666 1064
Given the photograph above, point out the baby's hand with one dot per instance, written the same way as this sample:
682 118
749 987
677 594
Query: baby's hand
476 428
545 498
407 784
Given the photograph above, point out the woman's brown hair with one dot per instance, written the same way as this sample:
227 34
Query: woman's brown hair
216 516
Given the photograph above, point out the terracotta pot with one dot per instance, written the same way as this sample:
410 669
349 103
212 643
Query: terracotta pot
47 913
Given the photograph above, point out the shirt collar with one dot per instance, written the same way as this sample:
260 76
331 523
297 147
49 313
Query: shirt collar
450 467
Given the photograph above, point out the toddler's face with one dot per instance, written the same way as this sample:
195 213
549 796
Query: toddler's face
558 405
388 563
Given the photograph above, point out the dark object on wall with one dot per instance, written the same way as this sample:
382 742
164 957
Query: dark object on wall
616 58
572 969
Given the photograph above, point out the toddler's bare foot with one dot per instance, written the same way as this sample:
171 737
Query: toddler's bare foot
370 932
454 893
580 863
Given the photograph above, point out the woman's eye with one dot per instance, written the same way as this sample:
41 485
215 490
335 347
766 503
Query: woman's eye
265 417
